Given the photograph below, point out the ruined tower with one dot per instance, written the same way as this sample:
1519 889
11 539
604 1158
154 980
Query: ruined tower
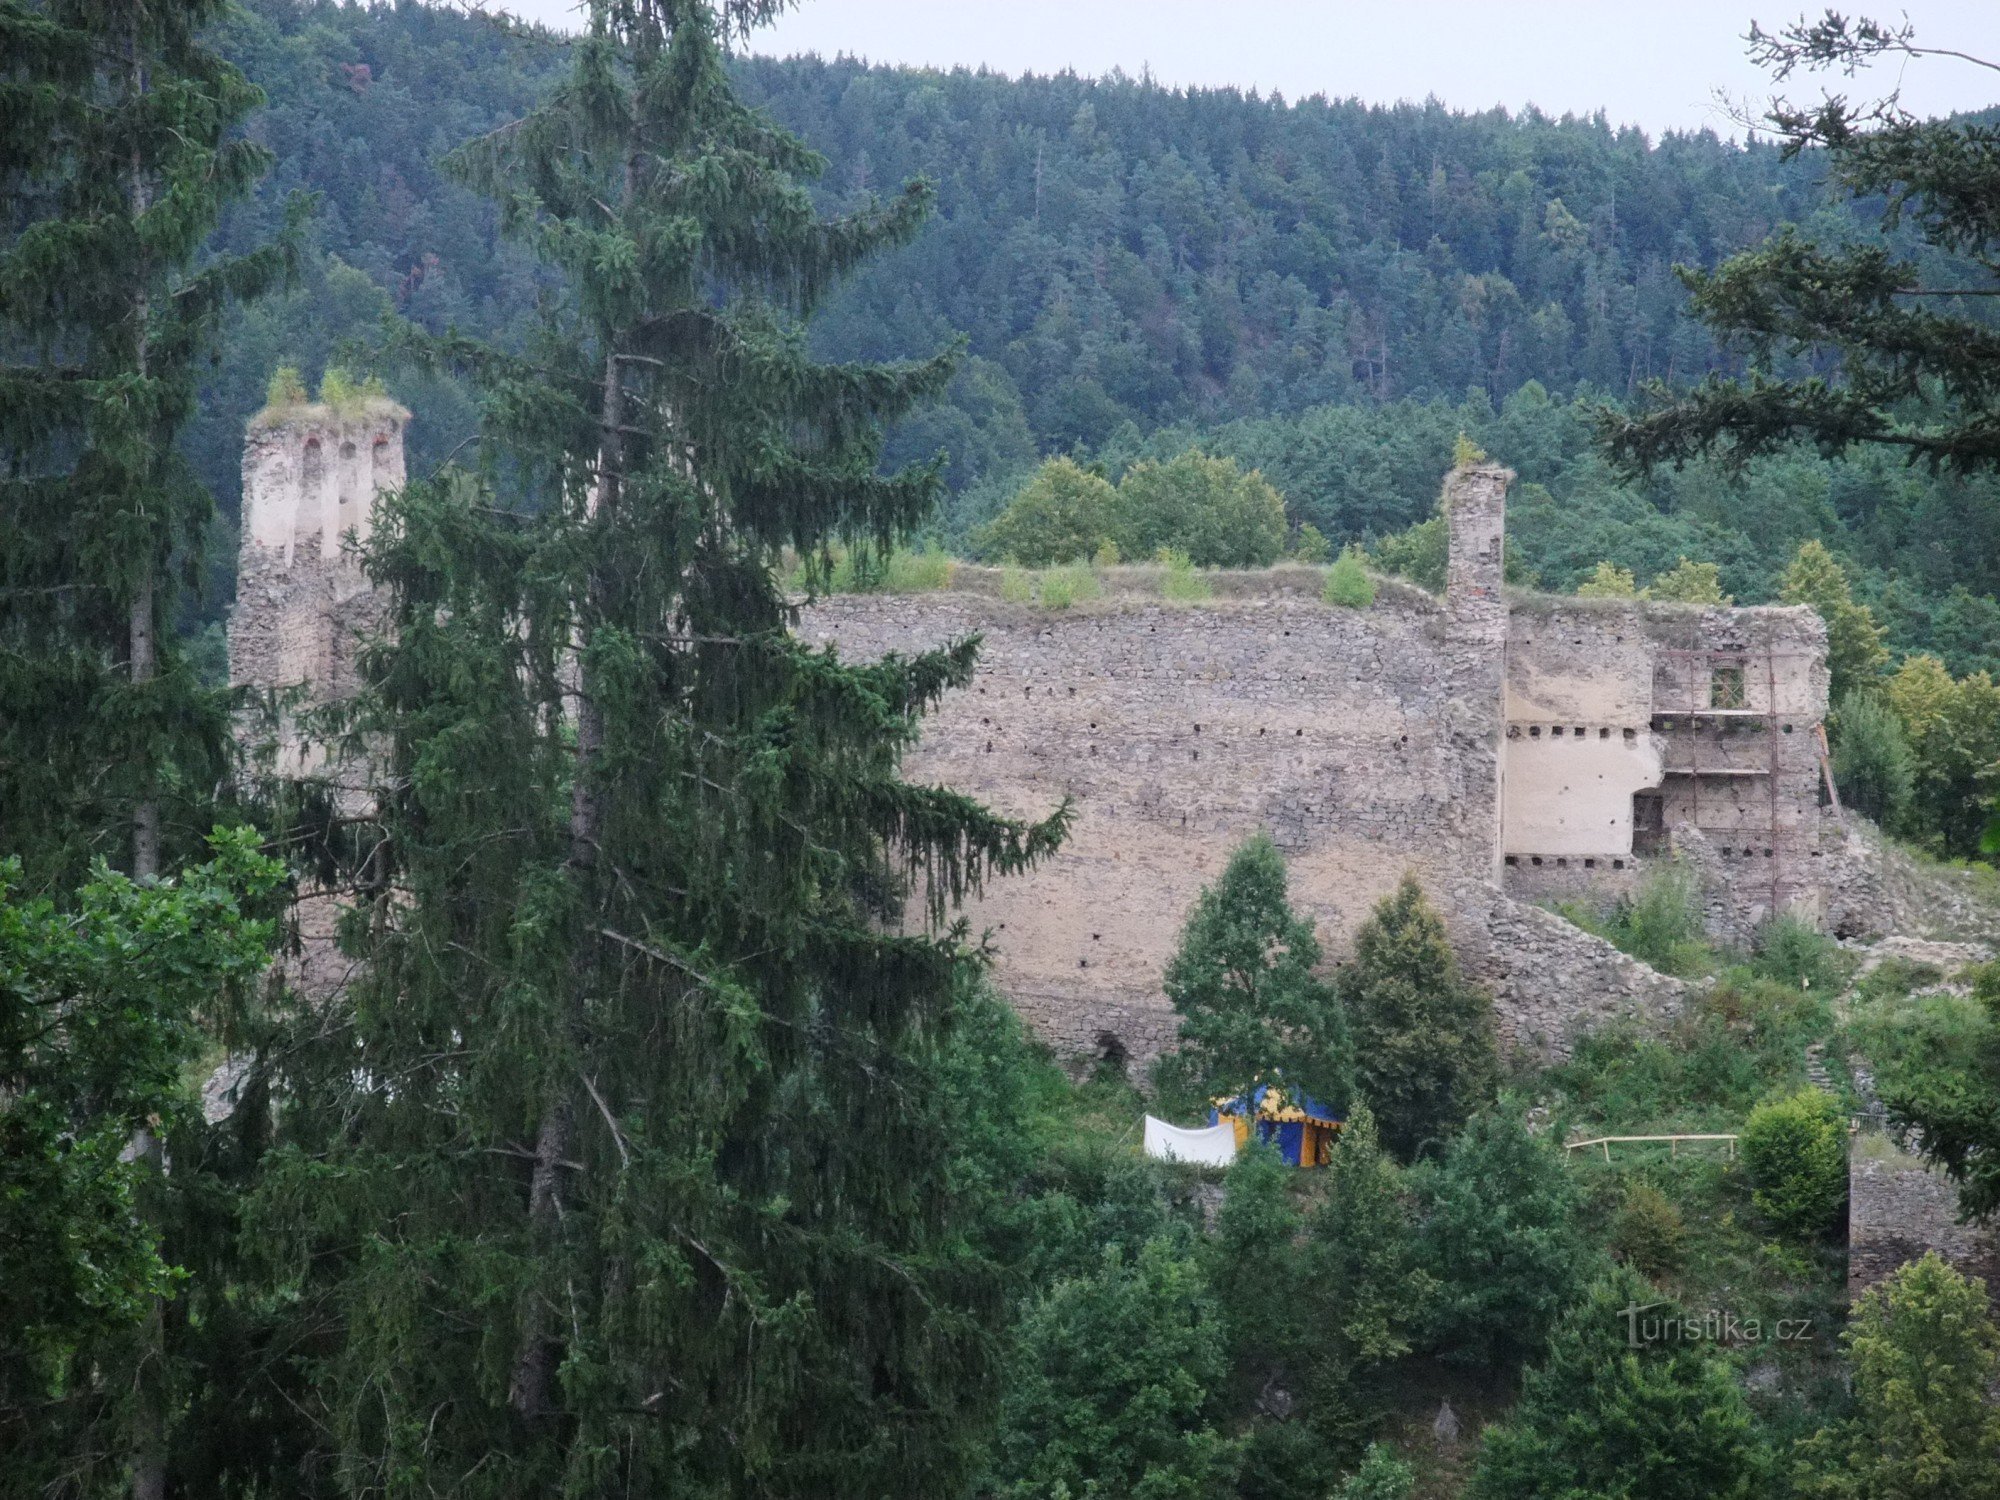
1476 624
311 476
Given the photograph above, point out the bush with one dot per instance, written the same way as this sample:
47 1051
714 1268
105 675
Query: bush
1382 1476
1062 514
1925 1355
1795 1150
286 387
1106 555
1062 587
1872 763
1648 1232
1182 585
1689 583
1608 581
920 572
1503 1238
1792 953
1666 1421
1660 923
1311 546
1113 1386
1207 507
1418 554
1016 587
1347 582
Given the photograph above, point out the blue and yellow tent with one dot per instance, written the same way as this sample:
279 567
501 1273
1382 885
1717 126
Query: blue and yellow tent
1299 1126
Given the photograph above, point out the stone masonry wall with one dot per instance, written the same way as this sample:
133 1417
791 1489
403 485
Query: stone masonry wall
1898 1210
1177 732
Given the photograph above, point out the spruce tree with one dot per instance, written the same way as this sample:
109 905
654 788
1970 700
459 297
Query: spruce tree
1502 1239
1664 1420
1855 655
120 150
1250 1005
617 1171
1423 1036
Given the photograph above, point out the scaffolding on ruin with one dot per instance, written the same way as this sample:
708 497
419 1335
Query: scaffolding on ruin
1703 668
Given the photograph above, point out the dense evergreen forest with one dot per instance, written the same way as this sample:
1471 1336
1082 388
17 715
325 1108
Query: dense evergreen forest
1330 291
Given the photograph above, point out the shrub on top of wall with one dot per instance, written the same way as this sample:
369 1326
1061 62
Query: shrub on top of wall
921 572
1182 585
1062 587
1016 587
1347 582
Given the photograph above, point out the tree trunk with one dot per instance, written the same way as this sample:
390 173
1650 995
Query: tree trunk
530 1390
149 1438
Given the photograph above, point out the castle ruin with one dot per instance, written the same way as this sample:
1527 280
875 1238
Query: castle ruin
1505 748
311 476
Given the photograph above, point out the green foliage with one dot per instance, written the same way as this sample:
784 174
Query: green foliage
1064 513
1243 985
921 571
1648 1233
104 1001
286 388
1872 763
1253 1262
1366 1293
1689 583
664 1188
1798 955
1941 1078
1659 923
1062 587
1182 584
1854 652
1111 1387
1106 555
1423 1035
1347 582
1382 1476
1664 1421
1418 554
1953 729
1206 507
1608 581
1795 1150
1017 585
1925 1355
1465 453
1911 373
1501 1236
123 147
1311 547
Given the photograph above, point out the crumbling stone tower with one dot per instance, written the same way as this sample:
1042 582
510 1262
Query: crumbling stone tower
1475 630
311 476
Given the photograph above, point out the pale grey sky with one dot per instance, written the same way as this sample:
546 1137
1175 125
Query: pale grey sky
1654 63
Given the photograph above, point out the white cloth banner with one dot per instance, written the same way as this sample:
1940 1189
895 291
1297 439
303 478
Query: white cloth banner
1212 1145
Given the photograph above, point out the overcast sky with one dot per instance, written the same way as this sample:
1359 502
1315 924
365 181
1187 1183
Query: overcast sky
1654 63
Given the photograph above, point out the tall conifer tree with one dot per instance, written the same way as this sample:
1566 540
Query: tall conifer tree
617 1176
116 134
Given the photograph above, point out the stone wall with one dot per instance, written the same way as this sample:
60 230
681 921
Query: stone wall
1368 743
1176 732
1898 1210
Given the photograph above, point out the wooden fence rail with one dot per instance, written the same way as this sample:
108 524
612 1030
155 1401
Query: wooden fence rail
1607 1141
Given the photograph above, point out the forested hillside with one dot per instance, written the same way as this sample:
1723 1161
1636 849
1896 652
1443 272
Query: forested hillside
1328 290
